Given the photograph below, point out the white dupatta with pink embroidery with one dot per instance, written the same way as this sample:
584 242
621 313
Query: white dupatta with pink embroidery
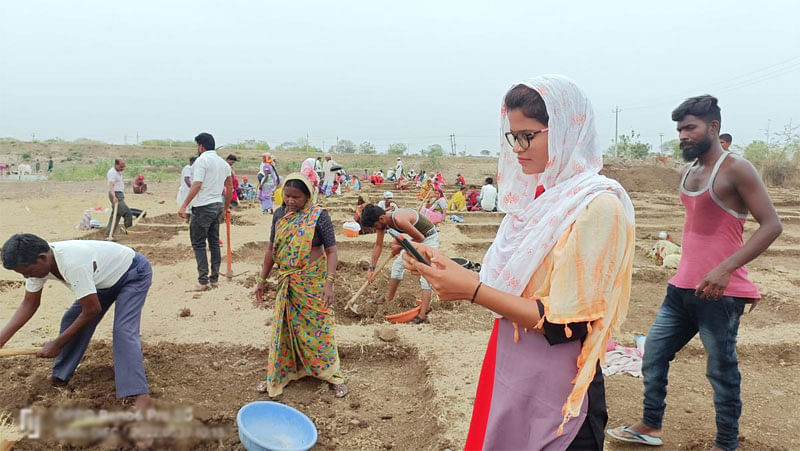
571 180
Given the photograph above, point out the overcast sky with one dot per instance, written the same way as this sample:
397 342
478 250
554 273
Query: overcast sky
409 71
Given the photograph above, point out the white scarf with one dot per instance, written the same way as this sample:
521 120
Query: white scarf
571 180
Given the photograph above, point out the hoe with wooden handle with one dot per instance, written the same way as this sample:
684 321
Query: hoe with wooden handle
351 303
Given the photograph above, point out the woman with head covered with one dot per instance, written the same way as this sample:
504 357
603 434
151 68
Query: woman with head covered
557 275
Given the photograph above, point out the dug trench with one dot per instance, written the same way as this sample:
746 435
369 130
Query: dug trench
350 277
689 421
385 408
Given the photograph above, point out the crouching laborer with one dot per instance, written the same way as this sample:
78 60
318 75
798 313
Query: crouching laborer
418 228
99 273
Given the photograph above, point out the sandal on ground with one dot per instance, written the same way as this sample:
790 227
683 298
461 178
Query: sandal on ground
633 436
339 390
262 387
201 287
418 320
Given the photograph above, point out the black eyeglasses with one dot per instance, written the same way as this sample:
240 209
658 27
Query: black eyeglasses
523 138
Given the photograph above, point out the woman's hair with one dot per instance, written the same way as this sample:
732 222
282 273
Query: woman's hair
527 100
371 215
23 249
294 183
361 201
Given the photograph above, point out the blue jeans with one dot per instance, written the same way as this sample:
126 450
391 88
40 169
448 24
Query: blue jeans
681 317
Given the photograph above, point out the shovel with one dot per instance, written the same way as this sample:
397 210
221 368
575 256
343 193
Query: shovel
229 272
113 223
16 352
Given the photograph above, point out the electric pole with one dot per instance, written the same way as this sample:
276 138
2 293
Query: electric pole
660 142
616 130
452 143
306 142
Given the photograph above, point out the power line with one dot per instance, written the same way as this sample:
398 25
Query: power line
739 81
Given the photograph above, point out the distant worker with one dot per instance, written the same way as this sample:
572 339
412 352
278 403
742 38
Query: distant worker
116 195
139 186
489 196
398 167
388 203
458 201
185 183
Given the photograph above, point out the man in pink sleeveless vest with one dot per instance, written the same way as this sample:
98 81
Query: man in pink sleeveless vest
709 292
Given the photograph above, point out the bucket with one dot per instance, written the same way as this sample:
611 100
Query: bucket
351 229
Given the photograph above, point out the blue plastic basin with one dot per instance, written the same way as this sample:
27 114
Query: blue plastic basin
268 425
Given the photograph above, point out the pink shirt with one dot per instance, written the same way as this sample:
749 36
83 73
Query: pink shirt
712 232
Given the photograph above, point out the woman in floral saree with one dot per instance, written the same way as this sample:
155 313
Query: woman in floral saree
303 247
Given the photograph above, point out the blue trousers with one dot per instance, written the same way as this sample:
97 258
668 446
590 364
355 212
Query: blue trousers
129 293
680 318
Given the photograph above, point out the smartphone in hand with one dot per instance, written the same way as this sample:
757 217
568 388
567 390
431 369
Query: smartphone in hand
407 245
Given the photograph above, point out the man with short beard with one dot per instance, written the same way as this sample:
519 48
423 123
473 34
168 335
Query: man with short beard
709 292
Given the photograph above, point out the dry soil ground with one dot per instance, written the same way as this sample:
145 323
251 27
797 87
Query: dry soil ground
414 392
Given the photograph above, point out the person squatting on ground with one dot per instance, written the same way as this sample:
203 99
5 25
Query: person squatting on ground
458 201
435 207
303 246
116 195
139 185
709 292
488 197
99 274
388 203
211 176
558 274
418 228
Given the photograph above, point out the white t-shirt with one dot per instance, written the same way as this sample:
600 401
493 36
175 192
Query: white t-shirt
210 169
114 176
398 168
183 189
392 206
488 197
328 175
86 266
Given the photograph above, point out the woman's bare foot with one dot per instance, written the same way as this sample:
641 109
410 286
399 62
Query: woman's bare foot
339 390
